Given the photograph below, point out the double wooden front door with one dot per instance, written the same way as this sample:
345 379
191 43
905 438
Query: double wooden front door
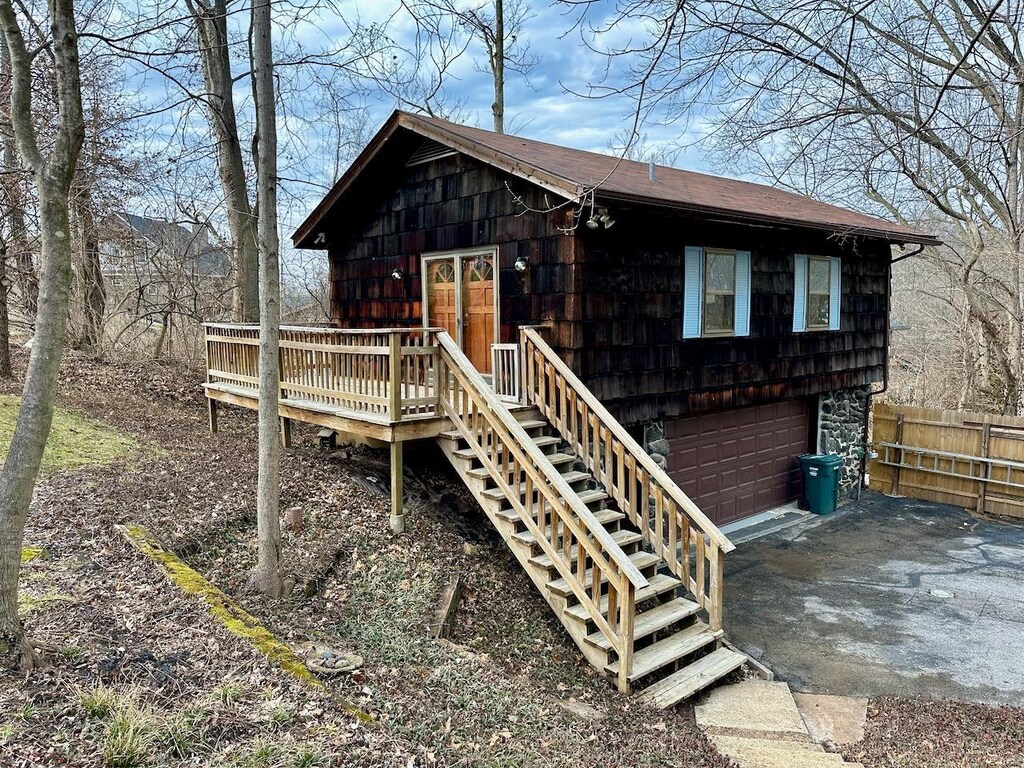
459 293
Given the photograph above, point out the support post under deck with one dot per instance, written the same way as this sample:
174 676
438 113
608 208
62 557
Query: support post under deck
397 508
211 404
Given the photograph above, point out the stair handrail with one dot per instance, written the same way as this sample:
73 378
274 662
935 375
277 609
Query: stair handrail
658 488
594 541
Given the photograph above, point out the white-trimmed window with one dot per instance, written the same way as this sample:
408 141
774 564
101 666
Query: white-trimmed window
716 292
817 292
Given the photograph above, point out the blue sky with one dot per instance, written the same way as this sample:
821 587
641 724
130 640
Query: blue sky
541 106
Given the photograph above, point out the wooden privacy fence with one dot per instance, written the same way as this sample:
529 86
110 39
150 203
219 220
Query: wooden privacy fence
972 460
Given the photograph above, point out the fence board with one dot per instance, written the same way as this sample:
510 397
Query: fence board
976 477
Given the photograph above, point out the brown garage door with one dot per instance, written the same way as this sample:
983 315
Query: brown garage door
742 461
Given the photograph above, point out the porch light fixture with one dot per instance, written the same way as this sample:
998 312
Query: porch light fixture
522 263
397 274
602 217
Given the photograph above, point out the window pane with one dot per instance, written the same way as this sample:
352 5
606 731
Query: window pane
817 311
721 274
719 313
818 276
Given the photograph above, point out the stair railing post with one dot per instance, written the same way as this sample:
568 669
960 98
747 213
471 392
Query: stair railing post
716 559
627 615
395 376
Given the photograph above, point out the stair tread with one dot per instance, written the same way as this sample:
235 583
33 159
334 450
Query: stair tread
555 458
649 621
621 537
570 477
589 496
454 434
640 559
668 649
541 441
604 516
692 678
749 751
659 584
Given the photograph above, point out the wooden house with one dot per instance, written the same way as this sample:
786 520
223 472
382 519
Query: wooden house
615 358
731 326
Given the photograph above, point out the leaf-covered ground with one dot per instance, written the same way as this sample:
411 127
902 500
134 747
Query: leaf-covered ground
141 674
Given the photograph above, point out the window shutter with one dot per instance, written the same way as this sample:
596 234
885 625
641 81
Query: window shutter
692 276
799 292
742 304
835 294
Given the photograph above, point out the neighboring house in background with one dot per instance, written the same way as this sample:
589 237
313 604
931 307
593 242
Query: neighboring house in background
155 267
732 326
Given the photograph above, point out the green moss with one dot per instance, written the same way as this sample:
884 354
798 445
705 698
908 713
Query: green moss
75 441
227 611
30 603
31 553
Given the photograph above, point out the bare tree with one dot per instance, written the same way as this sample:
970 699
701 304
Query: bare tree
451 26
211 19
52 175
267 577
915 109
15 197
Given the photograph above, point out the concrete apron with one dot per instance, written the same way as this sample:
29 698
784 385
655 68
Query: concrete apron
887 596
759 724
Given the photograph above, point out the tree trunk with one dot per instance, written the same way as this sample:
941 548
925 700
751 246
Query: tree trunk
92 293
18 247
53 179
211 25
498 67
5 319
267 576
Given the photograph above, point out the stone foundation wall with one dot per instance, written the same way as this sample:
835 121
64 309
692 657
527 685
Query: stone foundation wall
841 431
655 444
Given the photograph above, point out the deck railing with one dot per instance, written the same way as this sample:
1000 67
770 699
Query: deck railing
388 374
669 521
564 527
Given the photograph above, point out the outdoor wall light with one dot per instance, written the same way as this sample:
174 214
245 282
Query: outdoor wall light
397 274
602 217
522 263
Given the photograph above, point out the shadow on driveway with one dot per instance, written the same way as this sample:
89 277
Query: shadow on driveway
886 596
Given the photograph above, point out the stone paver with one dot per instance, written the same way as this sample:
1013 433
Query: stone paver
757 724
835 719
753 705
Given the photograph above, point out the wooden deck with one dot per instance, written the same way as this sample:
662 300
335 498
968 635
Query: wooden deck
379 383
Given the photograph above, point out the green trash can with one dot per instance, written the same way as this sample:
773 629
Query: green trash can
821 481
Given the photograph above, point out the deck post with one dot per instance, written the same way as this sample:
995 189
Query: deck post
397 509
211 406
286 432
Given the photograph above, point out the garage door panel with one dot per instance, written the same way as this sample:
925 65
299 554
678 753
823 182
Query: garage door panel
740 462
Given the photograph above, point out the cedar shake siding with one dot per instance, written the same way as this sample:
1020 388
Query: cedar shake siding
448 204
635 359
612 298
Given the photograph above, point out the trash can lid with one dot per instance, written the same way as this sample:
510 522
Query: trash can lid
830 459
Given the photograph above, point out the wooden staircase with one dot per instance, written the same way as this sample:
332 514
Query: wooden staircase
627 563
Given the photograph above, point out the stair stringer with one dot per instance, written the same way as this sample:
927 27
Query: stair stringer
539 576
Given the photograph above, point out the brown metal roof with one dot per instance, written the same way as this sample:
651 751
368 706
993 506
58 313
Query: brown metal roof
573 172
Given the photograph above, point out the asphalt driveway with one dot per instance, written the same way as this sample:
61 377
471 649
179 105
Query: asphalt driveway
886 596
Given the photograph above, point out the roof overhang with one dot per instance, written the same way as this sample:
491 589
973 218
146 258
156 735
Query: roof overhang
307 234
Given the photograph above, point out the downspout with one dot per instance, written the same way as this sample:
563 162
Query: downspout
885 368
